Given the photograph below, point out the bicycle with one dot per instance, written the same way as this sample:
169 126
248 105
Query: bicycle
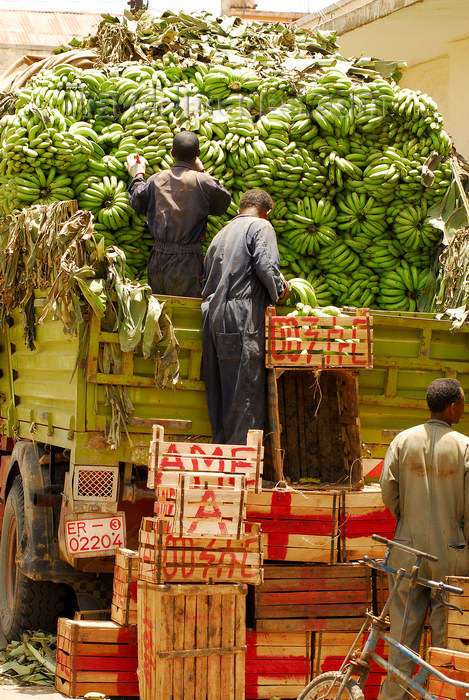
349 681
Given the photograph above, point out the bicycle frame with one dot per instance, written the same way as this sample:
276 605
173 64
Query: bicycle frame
360 666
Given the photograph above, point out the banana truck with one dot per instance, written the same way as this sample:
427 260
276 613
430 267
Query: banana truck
67 500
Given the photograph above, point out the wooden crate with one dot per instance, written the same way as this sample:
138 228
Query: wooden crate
99 656
315 597
457 625
296 526
313 427
124 589
362 514
277 665
191 641
164 557
330 341
454 664
207 457
202 504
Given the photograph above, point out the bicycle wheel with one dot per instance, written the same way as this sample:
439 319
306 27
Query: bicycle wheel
325 687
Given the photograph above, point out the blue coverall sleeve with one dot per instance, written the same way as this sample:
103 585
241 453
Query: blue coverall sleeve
389 481
266 261
218 196
137 193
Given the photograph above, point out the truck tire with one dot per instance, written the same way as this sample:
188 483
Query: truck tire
24 604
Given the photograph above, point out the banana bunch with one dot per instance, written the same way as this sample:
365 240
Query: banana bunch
400 288
37 187
221 81
361 217
412 230
303 291
308 223
383 254
339 168
61 88
106 198
338 256
246 156
362 288
322 290
338 282
272 93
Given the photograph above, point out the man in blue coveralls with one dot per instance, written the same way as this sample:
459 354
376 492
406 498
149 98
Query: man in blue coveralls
177 203
241 278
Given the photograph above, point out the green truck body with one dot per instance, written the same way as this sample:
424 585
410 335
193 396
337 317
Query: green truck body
54 398
55 395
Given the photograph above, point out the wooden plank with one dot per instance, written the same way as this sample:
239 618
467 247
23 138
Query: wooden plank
203 613
96 648
179 614
454 617
312 598
75 662
323 334
240 636
190 643
123 616
277 641
214 640
315 572
458 643
228 639
266 692
457 660
309 624
92 631
96 676
356 609
154 532
80 688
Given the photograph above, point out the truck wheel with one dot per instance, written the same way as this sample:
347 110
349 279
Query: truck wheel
24 604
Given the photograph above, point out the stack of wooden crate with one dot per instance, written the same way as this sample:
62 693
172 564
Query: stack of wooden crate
194 560
453 660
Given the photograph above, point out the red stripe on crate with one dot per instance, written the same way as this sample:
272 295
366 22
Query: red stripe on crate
376 522
284 667
251 654
97 663
296 527
281 503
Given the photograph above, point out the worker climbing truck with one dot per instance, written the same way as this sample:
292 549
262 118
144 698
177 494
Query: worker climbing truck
71 493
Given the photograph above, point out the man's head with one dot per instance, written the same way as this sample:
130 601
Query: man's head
185 146
445 399
256 203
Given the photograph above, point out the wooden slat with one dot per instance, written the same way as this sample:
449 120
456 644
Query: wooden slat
309 625
81 687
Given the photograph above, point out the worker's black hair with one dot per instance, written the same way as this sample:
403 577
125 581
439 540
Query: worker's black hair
442 393
256 198
186 146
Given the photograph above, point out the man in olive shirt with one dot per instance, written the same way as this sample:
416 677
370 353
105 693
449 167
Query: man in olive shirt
177 203
425 485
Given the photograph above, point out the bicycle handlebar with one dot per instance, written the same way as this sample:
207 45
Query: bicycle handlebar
404 547
421 581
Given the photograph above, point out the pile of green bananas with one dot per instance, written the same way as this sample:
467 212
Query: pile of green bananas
342 154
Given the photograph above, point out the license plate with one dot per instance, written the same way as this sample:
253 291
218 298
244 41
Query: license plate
87 537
